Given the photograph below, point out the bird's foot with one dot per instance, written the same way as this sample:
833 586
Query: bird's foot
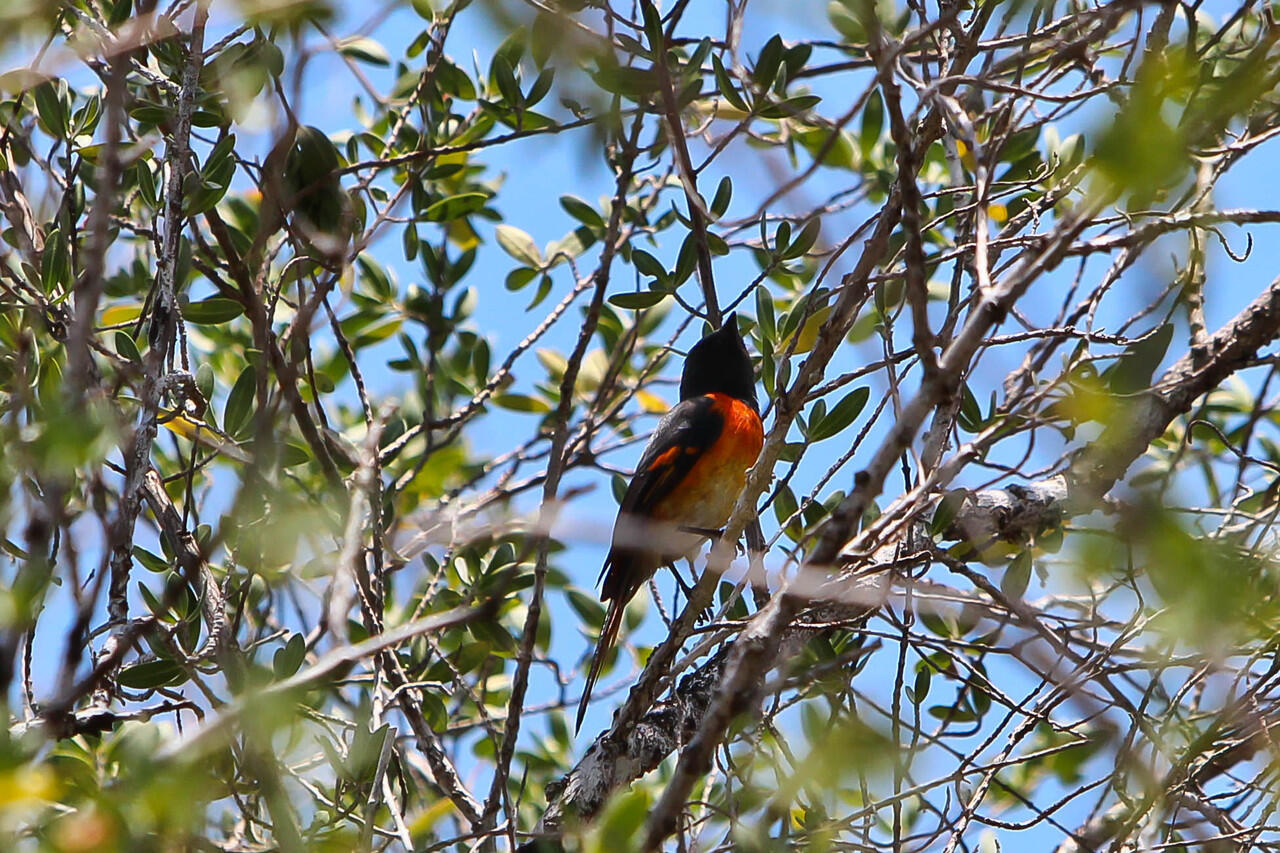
705 615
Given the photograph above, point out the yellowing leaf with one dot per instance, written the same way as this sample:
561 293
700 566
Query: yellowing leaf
809 334
456 158
118 315
998 212
728 112
426 819
25 784
651 402
200 433
462 235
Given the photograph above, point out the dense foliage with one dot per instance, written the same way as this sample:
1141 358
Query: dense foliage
328 331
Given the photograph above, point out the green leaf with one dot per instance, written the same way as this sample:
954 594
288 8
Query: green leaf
1138 363
920 689
214 178
204 380
632 46
149 112
725 84
146 183
638 300
151 562
841 416
519 245
581 211
292 455
872 124
212 311
959 713
624 818
51 109
586 606
767 63
686 260
570 245
969 418
120 12
511 49
126 347
379 281
378 331
652 26
85 120
1018 576
947 510
766 318
785 505
155 673
782 237
696 59
452 80
524 120
364 49
240 402
546 35
519 277
935 623
411 241
790 107
365 751
724 193
521 403
647 264
835 146
455 207
55 263
480 359
804 240
633 83
504 75
794 59
288 658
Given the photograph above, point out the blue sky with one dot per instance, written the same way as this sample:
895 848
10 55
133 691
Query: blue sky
537 170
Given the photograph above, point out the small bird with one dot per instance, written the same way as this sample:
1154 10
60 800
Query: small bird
689 477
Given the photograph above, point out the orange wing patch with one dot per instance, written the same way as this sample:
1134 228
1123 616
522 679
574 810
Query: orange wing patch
706 494
662 460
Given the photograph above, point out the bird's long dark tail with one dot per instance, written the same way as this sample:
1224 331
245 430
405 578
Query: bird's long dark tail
608 636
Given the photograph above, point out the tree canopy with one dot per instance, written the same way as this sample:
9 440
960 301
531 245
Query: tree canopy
332 332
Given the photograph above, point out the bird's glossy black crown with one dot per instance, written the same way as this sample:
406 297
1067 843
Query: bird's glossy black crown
719 363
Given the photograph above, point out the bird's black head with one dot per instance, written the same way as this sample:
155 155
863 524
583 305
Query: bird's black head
719 363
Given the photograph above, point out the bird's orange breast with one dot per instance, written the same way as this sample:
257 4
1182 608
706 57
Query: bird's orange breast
706 495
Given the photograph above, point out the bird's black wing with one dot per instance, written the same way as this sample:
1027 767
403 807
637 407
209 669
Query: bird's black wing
677 444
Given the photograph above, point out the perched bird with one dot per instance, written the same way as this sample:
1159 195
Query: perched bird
688 480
